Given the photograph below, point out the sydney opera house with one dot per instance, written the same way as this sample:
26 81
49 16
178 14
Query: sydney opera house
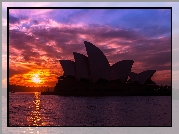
93 74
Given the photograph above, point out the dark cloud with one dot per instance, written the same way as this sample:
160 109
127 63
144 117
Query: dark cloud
28 54
23 17
35 22
14 71
13 19
124 34
20 40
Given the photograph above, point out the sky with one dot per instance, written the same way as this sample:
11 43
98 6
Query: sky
38 38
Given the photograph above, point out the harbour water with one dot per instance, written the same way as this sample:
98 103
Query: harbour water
34 109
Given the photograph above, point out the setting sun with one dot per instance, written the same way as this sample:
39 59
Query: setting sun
36 78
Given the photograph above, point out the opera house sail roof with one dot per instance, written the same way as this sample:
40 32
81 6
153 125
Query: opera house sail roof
133 77
68 67
96 66
98 63
141 77
82 66
121 70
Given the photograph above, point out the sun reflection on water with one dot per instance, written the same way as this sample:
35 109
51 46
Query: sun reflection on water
35 118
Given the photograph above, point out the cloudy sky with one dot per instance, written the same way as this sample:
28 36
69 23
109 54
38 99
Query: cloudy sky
38 38
29 21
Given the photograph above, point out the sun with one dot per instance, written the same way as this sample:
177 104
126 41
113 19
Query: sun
36 78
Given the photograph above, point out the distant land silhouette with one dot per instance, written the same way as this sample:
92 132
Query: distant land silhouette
93 75
18 88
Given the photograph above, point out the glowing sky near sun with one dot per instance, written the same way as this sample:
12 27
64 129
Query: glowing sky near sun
39 38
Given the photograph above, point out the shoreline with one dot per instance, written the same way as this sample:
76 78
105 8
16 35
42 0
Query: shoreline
110 94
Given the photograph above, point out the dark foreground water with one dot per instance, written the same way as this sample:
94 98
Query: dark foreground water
33 109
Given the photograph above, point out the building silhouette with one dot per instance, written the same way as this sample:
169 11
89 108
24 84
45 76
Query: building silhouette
98 63
121 70
81 66
94 75
142 77
68 67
